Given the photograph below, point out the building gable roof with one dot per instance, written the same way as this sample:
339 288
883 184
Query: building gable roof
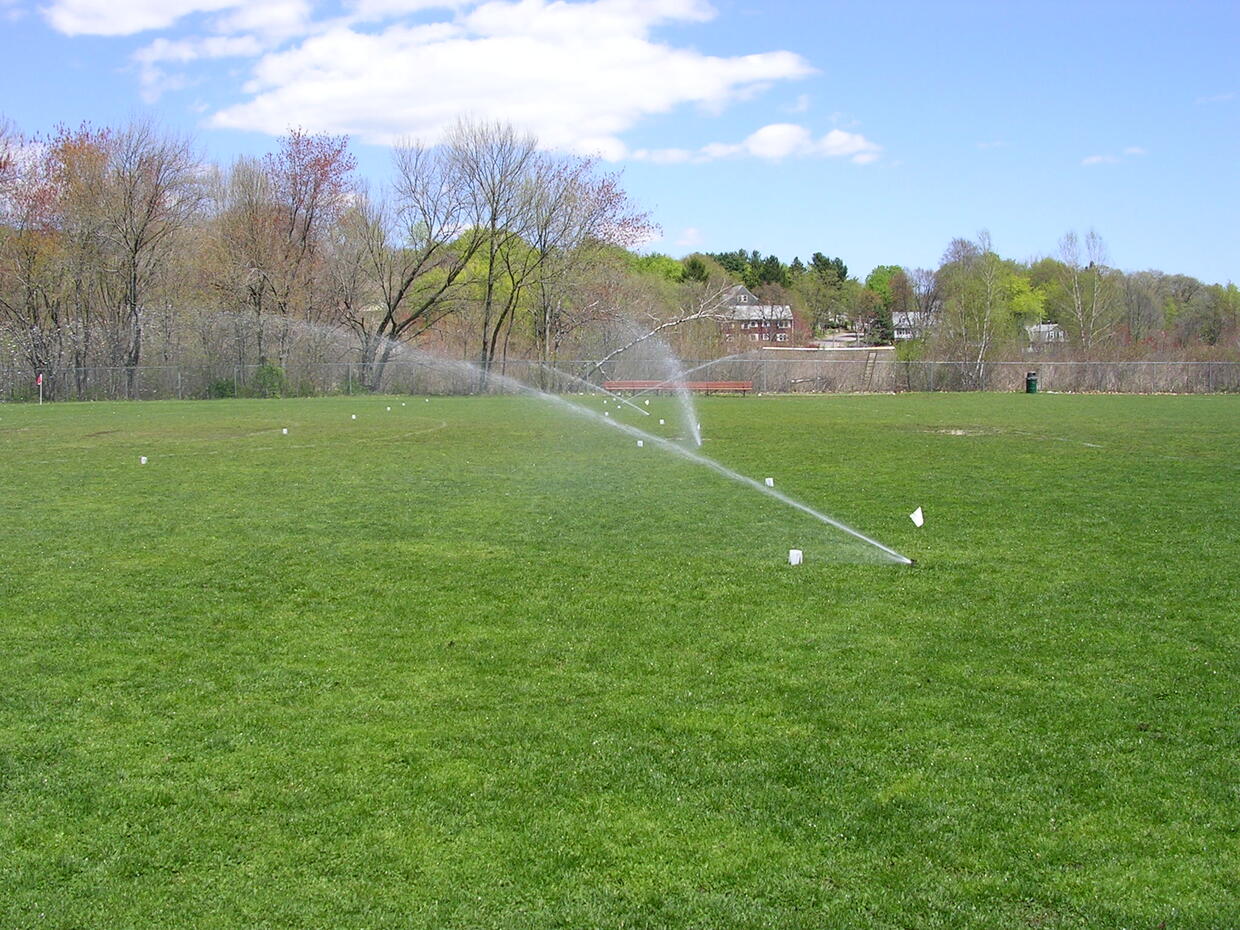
759 312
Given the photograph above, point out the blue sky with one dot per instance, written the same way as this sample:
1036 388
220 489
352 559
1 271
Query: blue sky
877 132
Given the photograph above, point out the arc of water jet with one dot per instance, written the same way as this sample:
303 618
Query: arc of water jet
659 441
718 467
746 480
683 452
592 386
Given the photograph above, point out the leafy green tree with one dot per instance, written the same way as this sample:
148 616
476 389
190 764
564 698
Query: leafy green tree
695 269
986 302
868 317
879 281
830 270
820 290
663 266
735 264
772 271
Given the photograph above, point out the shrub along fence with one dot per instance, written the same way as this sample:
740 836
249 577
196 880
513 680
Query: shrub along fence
802 374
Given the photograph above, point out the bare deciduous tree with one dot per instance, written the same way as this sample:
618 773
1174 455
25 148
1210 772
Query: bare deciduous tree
700 300
415 247
146 191
495 162
1091 307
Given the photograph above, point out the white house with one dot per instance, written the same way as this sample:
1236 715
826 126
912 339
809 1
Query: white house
907 325
1041 334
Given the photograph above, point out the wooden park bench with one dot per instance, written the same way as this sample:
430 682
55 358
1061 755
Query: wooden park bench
701 387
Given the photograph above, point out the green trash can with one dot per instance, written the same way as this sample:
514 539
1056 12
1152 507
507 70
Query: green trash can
1031 382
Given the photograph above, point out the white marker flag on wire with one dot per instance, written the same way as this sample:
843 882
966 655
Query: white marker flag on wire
917 517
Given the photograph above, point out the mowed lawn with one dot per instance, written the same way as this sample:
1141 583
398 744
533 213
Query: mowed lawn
474 662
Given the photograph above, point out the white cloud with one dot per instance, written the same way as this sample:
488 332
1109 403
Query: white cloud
800 105
274 18
1216 98
576 74
156 81
125 17
1133 151
664 156
601 19
689 238
775 142
193 49
371 10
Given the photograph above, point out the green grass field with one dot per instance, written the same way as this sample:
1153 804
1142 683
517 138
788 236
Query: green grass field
476 663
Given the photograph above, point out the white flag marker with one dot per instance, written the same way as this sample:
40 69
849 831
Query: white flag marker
353 416
389 409
795 556
770 482
647 403
284 431
917 517
662 422
141 459
640 443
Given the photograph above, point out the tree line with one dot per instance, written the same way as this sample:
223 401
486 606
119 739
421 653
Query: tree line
977 301
122 247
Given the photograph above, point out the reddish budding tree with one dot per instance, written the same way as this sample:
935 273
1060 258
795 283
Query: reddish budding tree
53 258
31 270
310 182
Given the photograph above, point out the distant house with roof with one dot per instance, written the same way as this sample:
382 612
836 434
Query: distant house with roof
914 324
744 318
1043 334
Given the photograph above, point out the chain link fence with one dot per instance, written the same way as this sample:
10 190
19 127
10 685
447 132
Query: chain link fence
804 374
